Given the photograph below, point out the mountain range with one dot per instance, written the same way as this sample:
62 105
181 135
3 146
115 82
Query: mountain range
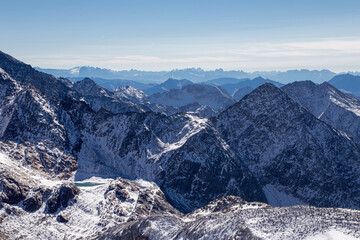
80 161
193 74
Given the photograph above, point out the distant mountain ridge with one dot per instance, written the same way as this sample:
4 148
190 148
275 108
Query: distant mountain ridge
347 83
193 74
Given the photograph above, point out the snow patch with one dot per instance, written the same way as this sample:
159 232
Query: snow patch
279 198
331 235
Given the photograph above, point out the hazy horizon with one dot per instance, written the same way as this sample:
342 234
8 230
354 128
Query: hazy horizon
164 35
202 69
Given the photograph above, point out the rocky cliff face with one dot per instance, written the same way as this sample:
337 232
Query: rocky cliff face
98 97
328 104
289 149
31 131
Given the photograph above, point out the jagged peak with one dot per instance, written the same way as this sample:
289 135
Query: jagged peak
307 83
267 88
267 92
88 81
267 95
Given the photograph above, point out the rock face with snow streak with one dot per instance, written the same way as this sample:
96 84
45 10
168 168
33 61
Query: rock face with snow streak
98 97
124 209
53 209
328 104
285 146
173 151
195 93
131 94
31 131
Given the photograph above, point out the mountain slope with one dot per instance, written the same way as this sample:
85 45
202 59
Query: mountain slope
168 85
162 149
241 92
206 95
99 97
347 83
46 83
328 104
233 218
131 94
111 84
290 152
31 130
266 147
254 83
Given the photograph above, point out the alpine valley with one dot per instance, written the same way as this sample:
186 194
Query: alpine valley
251 159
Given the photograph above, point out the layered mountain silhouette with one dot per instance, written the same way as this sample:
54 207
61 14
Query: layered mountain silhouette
137 168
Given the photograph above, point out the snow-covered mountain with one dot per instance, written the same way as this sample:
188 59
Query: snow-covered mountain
328 104
31 131
111 84
264 148
207 95
53 87
99 97
232 218
131 94
290 152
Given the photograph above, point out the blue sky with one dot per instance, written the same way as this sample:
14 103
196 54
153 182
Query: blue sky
162 35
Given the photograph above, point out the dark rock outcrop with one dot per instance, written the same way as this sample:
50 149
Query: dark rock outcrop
61 197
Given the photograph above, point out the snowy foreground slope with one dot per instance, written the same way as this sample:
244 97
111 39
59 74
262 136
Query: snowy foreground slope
121 209
264 148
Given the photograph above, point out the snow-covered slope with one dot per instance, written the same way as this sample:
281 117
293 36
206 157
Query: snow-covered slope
285 146
181 153
31 130
36 207
328 104
131 94
232 218
206 95
99 208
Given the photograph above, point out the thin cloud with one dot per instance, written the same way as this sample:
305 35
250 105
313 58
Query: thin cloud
332 53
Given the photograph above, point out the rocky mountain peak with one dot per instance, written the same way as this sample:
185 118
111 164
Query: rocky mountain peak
265 98
88 87
49 85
